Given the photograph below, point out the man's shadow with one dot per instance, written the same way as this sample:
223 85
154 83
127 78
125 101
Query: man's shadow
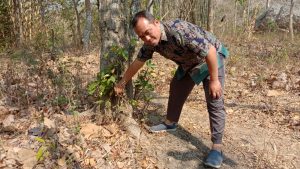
153 118
201 152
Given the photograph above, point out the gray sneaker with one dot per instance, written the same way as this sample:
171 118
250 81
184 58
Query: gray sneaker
214 159
163 127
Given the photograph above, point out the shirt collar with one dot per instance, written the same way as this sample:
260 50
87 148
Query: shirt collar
163 33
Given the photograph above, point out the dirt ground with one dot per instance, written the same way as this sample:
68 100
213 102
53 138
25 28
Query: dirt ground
262 100
258 132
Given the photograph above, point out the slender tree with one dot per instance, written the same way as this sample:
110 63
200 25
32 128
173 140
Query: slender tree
75 5
17 19
291 20
135 6
268 4
150 5
210 15
88 24
6 26
235 16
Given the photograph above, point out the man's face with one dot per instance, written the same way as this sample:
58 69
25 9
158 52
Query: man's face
149 32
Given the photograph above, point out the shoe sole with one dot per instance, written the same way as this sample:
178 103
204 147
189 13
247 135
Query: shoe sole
162 131
210 165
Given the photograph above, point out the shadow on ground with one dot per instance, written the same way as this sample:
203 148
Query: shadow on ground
183 134
155 116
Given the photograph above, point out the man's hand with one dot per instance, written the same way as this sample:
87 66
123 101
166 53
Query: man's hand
131 71
119 88
215 89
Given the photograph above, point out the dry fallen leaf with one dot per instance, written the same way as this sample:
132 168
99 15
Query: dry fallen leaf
120 164
144 163
273 93
90 162
90 130
61 162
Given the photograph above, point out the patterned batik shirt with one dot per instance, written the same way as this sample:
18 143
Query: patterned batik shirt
187 45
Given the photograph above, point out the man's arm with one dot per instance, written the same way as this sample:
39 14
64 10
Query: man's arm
212 63
130 72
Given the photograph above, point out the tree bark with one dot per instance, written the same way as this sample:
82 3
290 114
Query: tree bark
249 4
113 31
210 12
135 6
42 13
79 41
18 22
88 25
113 27
268 4
6 28
291 20
235 17
150 5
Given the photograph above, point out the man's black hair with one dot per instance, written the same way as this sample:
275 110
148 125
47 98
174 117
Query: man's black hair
142 14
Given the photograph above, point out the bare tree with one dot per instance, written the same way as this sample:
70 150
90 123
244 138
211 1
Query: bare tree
150 5
42 11
75 4
210 14
17 19
291 20
135 6
88 24
194 11
268 4
235 16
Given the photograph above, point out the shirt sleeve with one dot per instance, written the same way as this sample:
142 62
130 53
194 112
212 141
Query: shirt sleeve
145 53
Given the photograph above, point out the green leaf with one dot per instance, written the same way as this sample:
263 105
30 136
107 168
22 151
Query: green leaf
133 42
112 79
99 102
133 102
39 139
75 113
40 153
92 87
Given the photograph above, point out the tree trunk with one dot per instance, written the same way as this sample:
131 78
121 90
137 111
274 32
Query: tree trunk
113 29
88 24
135 6
210 12
12 18
6 26
30 19
150 5
99 20
291 20
268 4
79 42
160 2
72 27
18 22
204 13
248 10
235 17
163 9
42 13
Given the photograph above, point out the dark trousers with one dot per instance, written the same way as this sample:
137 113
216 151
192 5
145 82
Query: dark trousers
180 90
